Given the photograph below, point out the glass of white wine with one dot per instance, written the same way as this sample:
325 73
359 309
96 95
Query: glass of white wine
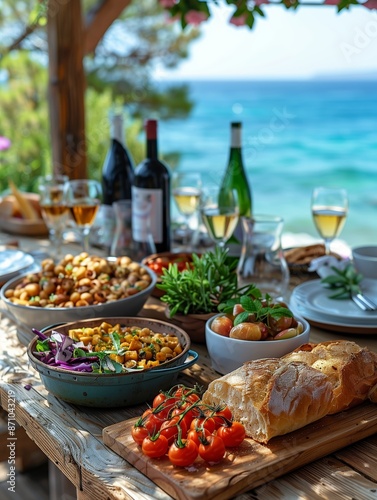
84 199
329 209
220 213
187 191
53 192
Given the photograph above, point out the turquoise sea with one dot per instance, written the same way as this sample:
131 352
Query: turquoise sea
296 135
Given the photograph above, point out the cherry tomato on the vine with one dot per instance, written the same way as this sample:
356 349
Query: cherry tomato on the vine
197 435
170 429
232 435
190 412
213 450
184 453
155 447
186 394
152 421
206 422
220 416
139 432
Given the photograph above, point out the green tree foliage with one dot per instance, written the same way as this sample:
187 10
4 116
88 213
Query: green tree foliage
118 73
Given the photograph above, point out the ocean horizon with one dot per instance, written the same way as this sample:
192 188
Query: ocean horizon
297 134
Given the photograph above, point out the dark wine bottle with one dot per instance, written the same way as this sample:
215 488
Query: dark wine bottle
235 178
118 170
151 195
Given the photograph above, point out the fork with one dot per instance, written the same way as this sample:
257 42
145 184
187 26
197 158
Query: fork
364 302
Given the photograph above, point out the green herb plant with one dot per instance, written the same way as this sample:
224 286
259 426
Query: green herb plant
346 282
208 281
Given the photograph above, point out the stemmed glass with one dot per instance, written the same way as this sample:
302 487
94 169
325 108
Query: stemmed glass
53 192
220 213
187 190
329 209
84 198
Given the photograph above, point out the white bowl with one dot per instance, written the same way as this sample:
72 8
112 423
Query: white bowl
28 317
365 260
228 354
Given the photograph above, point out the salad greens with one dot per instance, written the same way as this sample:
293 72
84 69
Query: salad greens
62 351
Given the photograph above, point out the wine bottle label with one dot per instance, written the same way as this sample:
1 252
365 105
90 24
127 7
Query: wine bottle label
147 214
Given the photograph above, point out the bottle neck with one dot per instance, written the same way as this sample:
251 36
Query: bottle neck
151 131
235 137
116 128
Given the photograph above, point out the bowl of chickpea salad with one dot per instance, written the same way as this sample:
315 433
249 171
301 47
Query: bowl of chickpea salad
77 287
110 362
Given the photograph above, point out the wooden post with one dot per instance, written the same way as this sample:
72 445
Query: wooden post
67 88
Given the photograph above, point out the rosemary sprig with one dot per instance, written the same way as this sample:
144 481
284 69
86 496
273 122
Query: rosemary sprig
346 282
209 281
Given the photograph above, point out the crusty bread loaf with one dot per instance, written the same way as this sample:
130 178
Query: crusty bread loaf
351 369
274 396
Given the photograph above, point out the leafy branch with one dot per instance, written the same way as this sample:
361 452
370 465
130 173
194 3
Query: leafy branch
346 282
200 288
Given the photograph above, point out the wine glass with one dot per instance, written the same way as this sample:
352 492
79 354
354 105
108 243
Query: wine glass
84 199
187 190
53 192
329 209
220 213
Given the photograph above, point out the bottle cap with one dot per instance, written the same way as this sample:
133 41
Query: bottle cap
151 129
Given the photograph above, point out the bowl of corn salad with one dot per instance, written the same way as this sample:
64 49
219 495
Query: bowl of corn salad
110 362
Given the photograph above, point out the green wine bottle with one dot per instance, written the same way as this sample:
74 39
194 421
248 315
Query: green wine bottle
235 178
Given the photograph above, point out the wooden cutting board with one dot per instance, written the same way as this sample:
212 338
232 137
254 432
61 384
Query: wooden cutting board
251 464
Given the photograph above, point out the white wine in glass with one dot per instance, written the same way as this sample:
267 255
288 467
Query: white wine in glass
84 197
187 191
329 209
53 192
220 219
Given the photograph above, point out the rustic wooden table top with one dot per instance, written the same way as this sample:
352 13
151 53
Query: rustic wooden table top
71 436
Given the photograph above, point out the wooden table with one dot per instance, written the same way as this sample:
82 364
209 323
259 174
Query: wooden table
71 436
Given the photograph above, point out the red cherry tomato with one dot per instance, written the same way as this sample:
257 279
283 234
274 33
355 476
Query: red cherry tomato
221 416
203 422
138 433
232 435
155 447
170 429
213 450
183 455
151 421
197 435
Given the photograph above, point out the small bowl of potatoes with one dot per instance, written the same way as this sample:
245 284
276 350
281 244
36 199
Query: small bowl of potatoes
231 343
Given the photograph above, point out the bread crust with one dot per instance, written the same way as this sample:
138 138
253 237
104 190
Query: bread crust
274 396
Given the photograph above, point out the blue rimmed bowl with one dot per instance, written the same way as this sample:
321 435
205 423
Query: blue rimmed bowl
113 390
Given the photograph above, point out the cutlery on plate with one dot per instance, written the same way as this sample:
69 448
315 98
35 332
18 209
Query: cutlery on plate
364 302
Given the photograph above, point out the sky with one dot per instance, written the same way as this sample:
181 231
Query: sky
311 42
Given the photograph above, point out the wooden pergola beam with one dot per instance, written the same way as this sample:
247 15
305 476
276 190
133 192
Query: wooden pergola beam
66 88
68 42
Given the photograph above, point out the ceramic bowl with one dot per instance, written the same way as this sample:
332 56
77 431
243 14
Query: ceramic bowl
365 260
17 225
114 390
28 317
228 354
